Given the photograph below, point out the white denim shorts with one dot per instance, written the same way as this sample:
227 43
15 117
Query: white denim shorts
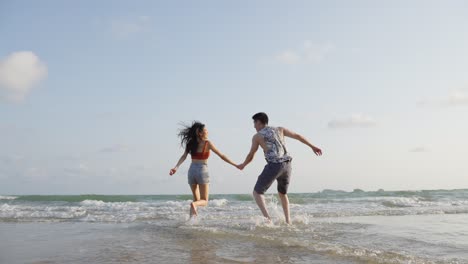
198 174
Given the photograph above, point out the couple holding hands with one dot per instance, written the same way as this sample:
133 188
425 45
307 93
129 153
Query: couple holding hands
194 139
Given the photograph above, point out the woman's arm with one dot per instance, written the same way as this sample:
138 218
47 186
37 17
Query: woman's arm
181 160
221 155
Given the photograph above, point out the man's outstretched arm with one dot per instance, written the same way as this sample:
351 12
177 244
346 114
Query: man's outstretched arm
251 154
296 136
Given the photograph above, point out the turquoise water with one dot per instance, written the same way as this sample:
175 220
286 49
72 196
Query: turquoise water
460 194
428 226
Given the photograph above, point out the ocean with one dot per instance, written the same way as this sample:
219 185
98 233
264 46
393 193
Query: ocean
427 226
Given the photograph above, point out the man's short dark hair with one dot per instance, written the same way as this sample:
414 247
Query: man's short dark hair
262 117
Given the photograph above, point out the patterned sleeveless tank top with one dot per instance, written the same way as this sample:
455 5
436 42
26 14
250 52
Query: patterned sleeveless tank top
276 151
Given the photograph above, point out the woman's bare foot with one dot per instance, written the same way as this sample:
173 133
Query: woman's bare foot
193 210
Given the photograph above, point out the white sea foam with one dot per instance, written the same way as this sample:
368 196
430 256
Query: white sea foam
229 209
25 212
218 202
7 197
92 203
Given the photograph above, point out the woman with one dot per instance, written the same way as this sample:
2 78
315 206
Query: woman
194 139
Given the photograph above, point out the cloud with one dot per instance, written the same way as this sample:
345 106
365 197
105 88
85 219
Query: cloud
70 157
127 27
419 149
36 173
114 149
314 52
309 53
455 98
77 169
20 72
355 120
288 57
12 158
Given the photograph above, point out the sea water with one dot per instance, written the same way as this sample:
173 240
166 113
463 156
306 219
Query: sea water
429 226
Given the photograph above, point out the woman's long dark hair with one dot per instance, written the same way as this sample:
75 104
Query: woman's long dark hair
189 136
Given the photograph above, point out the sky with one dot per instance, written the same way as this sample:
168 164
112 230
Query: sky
92 93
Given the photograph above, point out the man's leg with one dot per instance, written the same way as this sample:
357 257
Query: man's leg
285 203
264 181
260 199
283 184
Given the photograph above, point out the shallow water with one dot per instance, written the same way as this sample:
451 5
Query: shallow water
328 227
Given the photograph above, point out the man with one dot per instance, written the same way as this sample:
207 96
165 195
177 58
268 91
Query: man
278 167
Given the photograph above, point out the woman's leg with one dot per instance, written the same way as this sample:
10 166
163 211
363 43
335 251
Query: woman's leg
204 194
196 197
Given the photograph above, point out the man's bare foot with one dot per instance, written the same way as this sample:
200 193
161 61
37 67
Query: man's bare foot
193 210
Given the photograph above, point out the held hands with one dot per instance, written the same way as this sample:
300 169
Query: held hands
240 166
317 151
173 171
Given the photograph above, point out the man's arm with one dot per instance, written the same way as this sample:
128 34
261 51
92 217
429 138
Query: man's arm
302 139
251 154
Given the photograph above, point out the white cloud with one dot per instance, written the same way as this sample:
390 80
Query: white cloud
419 149
310 52
288 57
77 169
115 148
314 52
20 72
36 173
127 27
355 120
12 158
455 98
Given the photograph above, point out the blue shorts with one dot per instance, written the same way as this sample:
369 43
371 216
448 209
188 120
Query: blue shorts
198 174
281 172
